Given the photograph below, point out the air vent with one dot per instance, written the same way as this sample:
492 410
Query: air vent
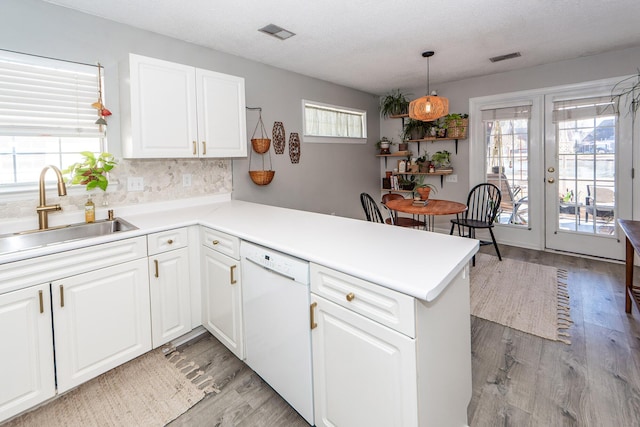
505 57
278 32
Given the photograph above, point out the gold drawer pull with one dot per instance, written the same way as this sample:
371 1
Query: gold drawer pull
195 148
61 296
204 148
233 279
312 315
170 241
155 261
215 242
350 296
41 302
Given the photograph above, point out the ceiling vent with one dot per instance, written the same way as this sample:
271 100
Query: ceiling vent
505 57
277 32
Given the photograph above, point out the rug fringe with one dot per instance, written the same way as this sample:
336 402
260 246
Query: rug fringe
188 368
563 316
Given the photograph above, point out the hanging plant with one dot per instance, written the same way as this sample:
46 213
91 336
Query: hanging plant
626 93
92 171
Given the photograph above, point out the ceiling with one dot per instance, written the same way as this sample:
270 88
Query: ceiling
375 45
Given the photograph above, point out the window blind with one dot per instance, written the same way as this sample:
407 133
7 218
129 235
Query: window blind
37 100
586 108
507 113
333 122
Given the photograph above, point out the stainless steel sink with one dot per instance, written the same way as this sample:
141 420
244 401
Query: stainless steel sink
38 238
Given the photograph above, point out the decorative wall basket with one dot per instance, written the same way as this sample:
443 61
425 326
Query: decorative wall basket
263 177
279 137
294 147
260 145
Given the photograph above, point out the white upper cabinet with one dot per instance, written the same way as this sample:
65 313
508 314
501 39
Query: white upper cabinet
172 110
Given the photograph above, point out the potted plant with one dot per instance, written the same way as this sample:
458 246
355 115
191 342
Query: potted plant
405 183
423 162
92 171
456 125
442 159
423 189
394 103
384 144
414 129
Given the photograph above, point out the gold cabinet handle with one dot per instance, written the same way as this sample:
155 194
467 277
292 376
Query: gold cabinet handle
61 296
41 302
231 270
195 148
204 148
155 261
350 296
215 242
312 316
170 241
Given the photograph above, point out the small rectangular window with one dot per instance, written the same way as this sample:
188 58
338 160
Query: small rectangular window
47 116
331 123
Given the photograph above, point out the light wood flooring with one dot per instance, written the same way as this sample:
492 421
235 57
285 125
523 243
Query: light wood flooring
518 379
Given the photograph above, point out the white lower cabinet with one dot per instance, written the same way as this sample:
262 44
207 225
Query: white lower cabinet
222 299
170 295
101 320
364 374
26 372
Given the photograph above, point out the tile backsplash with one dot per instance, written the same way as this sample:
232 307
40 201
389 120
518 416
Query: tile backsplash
163 180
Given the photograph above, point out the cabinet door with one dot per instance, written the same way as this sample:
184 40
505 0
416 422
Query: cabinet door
163 110
222 129
364 374
169 289
222 299
101 320
26 372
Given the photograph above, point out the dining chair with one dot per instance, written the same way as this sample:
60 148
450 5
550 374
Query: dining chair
370 207
483 205
394 219
511 200
600 202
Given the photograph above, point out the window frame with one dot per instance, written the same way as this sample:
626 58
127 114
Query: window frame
333 139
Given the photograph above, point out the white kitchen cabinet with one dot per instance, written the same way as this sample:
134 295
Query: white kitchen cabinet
27 368
364 374
101 320
222 299
169 289
173 110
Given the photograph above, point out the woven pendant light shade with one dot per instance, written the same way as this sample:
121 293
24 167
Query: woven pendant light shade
428 108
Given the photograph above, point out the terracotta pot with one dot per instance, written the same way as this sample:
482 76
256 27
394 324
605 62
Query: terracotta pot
423 192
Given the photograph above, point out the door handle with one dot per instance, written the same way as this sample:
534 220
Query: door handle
61 296
312 315
551 180
155 261
204 148
195 148
231 278
41 302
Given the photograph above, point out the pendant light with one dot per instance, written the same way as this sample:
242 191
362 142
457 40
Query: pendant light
429 107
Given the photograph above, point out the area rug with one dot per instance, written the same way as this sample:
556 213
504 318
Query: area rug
150 390
524 296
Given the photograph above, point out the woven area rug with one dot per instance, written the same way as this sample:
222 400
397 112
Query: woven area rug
150 390
524 296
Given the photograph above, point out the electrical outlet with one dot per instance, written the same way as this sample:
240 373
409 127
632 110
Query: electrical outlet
186 180
135 183
451 178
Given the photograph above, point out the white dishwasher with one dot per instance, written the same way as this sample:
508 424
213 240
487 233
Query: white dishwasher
275 300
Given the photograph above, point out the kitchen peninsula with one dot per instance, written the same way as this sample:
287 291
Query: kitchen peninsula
410 288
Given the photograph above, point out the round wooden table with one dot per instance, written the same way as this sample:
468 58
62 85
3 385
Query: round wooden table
432 208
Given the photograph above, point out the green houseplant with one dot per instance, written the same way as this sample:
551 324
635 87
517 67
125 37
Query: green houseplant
442 159
423 189
91 171
394 103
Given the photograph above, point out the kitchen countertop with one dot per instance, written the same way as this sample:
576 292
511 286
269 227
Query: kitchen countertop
413 262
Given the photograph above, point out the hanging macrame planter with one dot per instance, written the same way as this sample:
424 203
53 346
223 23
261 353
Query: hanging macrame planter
261 146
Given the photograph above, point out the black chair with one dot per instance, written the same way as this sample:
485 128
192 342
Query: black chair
483 205
371 208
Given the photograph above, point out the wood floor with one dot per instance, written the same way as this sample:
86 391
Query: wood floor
518 379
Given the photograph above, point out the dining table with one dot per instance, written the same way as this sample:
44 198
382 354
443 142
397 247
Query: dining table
430 209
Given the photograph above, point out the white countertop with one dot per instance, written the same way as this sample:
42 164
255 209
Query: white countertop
416 263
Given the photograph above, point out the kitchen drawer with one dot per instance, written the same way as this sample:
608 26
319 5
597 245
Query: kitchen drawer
164 241
221 242
375 302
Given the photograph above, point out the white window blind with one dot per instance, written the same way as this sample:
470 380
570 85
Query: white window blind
586 108
37 100
323 120
507 113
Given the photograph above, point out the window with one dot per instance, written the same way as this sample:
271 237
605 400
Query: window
330 123
46 116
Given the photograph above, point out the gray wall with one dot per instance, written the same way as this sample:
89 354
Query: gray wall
329 176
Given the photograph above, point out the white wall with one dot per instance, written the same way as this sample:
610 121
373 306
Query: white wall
328 179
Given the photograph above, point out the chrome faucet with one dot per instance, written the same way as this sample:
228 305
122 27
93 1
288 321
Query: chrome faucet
43 210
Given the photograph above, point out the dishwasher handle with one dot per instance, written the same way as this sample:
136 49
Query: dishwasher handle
273 271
